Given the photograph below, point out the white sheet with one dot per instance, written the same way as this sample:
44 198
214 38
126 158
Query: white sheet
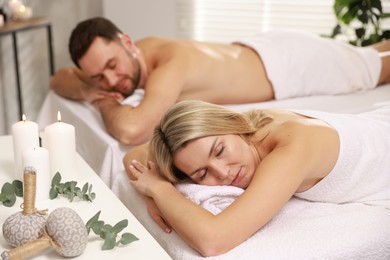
301 231
104 154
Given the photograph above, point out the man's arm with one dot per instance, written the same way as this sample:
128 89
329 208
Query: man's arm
70 83
135 126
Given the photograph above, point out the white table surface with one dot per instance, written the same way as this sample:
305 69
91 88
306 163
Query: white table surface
112 211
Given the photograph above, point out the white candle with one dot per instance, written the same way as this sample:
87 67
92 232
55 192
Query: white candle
60 140
14 6
23 12
24 134
38 157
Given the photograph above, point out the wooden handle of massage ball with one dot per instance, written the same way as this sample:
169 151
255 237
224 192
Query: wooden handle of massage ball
22 227
66 233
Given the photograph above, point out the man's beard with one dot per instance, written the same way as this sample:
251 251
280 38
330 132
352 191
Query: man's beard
136 77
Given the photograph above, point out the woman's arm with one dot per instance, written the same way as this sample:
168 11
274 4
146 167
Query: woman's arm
216 234
140 153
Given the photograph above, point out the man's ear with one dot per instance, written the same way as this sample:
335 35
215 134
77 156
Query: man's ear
128 42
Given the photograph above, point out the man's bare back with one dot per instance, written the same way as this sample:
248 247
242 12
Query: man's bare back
217 73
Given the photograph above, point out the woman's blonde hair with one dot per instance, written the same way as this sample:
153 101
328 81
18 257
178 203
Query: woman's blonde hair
191 119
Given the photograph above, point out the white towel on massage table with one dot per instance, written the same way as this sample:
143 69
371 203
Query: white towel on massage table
302 229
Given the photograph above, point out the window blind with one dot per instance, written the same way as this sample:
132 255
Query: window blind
228 20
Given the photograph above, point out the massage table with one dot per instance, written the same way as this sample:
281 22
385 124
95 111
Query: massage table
302 230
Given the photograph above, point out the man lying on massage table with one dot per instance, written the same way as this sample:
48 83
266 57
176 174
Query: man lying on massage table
273 65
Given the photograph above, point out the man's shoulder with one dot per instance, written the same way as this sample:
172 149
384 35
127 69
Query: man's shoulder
154 41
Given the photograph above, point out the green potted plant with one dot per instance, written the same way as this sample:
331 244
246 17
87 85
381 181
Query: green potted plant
359 21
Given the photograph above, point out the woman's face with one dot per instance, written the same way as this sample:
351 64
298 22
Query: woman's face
218 160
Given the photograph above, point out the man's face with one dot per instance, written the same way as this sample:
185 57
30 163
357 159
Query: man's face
112 66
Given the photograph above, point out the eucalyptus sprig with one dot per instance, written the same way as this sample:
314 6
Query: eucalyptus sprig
109 233
70 190
9 192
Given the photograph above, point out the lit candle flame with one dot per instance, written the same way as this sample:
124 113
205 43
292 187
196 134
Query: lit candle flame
22 9
24 118
59 116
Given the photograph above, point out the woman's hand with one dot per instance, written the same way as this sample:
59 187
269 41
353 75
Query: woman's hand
147 179
156 215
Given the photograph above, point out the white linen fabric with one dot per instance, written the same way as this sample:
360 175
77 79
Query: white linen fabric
299 64
302 229
362 171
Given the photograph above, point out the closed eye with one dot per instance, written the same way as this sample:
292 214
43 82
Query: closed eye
220 151
201 174
112 65
98 78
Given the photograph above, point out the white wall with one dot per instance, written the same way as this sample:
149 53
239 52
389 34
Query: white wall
33 56
142 18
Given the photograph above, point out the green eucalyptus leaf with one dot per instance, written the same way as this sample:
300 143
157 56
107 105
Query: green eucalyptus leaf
69 189
107 228
120 226
3 197
53 193
8 188
56 179
97 227
80 194
85 188
72 186
70 196
109 233
18 187
109 242
10 200
61 188
92 196
127 238
93 220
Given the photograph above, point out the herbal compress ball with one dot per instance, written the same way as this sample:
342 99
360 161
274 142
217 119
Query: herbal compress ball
20 228
67 229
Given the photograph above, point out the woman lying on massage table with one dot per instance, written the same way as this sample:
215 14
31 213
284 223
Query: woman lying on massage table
272 154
